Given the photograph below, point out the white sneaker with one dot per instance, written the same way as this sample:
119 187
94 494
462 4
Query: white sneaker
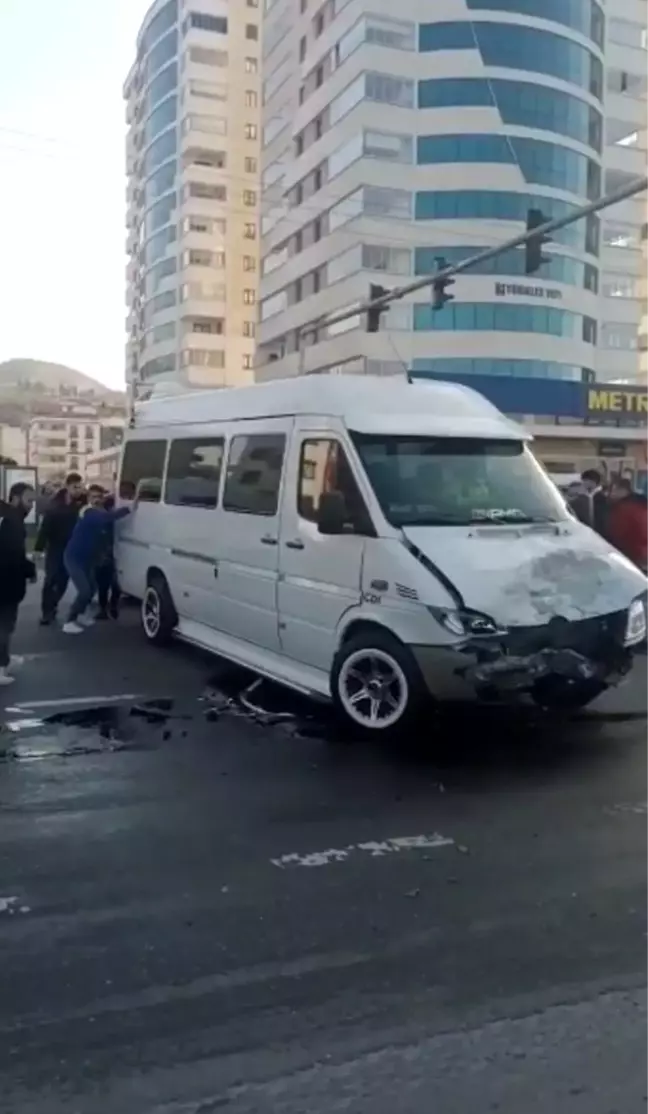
85 621
5 679
72 628
16 662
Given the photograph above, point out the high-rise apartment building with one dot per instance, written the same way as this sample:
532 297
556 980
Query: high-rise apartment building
192 156
392 138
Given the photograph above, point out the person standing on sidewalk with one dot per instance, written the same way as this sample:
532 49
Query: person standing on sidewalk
53 536
81 555
15 571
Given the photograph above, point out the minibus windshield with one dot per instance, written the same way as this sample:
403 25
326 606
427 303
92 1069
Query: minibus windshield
452 481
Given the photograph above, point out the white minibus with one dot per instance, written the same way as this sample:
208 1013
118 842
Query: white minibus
371 541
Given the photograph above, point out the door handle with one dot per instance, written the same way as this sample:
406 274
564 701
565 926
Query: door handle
296 544
267 539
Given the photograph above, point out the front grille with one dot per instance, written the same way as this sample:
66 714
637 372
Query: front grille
591 637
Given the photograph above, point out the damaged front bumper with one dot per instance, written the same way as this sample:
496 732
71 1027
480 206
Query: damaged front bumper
533 662
517 673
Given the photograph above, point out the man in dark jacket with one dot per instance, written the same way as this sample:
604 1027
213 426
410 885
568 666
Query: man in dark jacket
588 501
55 532
15 570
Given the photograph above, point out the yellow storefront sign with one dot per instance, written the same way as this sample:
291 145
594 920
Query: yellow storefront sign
608 402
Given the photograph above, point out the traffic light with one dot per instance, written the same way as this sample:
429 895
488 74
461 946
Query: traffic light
439 296
374 314
534 257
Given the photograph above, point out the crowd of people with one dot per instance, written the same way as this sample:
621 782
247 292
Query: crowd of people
615 511
75 536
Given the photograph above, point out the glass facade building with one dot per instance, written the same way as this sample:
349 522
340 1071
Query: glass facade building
192 163
392 142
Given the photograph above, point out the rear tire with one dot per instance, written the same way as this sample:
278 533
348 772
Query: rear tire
159 616
376 685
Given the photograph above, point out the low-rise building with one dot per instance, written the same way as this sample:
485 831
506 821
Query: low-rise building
13 443
102 467
65 442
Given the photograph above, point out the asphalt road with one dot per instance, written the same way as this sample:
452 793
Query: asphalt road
202 909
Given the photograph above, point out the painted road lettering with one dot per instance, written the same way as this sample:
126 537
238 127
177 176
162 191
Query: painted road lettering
373 848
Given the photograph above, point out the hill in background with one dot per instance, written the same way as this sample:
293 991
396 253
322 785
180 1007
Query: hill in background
41 377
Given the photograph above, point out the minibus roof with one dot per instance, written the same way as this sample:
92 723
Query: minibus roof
365 403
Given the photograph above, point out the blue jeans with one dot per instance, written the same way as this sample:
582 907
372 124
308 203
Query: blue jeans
83 579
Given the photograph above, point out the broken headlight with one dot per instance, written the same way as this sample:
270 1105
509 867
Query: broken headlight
466 624
635 631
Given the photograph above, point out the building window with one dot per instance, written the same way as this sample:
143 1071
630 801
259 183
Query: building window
249 297
210 325
251 65
249 197
247 362
491 317
249 263
251 31
253 477
193 472
541 162
251 99
518 102
302 48
203 22
249 329
249 231
250 165
203 357
207 191
204 57
250 131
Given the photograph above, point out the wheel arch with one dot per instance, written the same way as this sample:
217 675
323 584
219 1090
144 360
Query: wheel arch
364 626
154 571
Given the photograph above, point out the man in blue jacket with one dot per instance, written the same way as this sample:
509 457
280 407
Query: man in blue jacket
81 555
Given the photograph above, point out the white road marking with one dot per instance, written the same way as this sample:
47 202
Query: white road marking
69 701
12 905
23 724
374 848
639 808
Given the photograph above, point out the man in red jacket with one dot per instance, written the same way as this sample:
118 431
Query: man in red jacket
627 523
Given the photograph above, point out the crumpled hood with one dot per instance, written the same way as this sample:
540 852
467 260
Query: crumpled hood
525 575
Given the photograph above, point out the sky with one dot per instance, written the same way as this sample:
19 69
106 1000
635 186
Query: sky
62 181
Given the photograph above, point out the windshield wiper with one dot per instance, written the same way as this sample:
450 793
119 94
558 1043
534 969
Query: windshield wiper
513 519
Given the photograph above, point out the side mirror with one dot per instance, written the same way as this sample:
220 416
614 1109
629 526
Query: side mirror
332 513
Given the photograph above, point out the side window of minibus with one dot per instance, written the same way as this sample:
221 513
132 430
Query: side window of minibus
253 477
324 468
142 470
193 472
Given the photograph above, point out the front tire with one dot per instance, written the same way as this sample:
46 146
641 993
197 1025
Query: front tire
159 616
376 684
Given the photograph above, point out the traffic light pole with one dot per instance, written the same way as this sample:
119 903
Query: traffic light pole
545 229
